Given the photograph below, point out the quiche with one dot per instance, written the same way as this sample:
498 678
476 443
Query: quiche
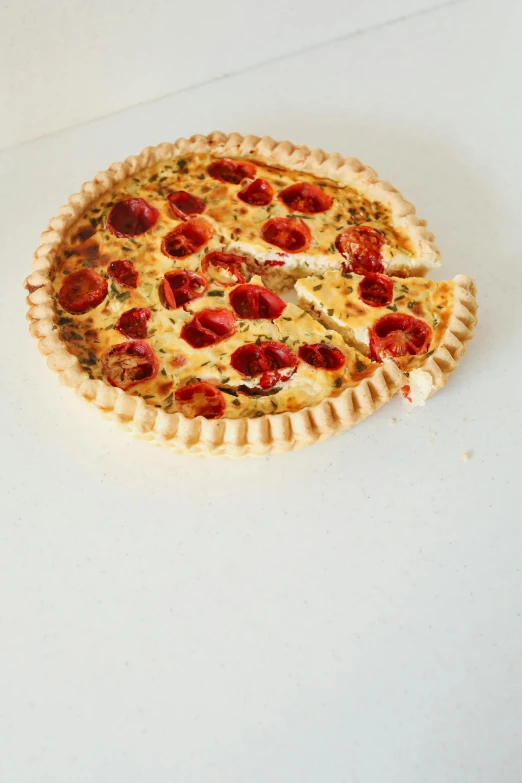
421 324
156 293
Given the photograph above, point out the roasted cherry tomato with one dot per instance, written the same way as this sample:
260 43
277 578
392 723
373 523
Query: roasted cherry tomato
128 364
361 247
233 171
290 234
272 360
254 301
133 323
131 217
258 193
123 273
229 262
186 239
209 327
398 334
184 205
376 290
182 286
82 291
305 197
324 357
201 399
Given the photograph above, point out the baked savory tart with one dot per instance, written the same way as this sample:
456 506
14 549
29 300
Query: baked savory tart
156 293
408 320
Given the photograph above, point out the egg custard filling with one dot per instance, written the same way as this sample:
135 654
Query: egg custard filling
167 286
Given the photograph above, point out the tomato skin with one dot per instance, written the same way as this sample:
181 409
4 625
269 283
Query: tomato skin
376 290
229 261
209 327
82 291
133 323
184 205
127 364
187 238
131 217
124 273
323 357
290 234
253 301
398 334
201 399
361 246
231 171
182 286
258 193
306 197
269 360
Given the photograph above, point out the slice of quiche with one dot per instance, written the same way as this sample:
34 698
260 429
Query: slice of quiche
423 325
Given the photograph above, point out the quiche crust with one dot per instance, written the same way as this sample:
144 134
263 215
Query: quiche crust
272 433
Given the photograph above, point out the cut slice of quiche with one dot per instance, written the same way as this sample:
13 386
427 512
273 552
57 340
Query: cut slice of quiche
423 325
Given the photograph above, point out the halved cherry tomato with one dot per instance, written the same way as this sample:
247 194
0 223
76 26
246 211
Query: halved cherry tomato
290 234
258 193
269 359
131 217
187 238
124 273
233 171
133 323
361 247
182 286
324 357
398 334
227 261
209 327
376 290
82 291
184 205
201 399
128 364
306 197
254 301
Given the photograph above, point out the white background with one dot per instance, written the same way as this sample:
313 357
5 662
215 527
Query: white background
351 613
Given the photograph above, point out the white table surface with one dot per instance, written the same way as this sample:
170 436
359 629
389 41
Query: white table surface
350 613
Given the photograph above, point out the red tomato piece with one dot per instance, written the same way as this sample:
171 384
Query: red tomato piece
182 286
254 301
184 205
186 239
361 247
124 273
376 290
306 197
398 334
290 234
270 359
128 364
82 291
324 357
228 261
258 193
406 391
201 399
131 217
233 171
133 323
209 327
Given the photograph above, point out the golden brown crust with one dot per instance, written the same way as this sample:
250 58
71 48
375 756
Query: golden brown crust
225 437
456 336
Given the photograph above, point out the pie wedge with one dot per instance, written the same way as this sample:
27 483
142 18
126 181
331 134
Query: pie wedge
421 324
